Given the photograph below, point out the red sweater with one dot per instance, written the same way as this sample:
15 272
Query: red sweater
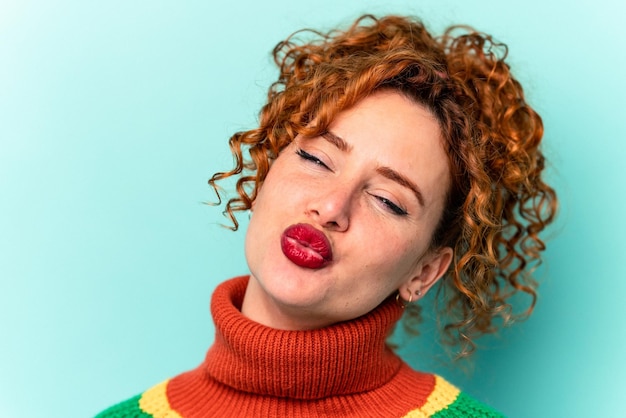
344 370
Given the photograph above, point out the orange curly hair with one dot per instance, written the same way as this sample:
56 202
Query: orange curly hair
497 203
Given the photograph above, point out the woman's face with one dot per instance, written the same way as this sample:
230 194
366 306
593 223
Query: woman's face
345 219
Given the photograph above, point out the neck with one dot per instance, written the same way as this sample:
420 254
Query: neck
259 307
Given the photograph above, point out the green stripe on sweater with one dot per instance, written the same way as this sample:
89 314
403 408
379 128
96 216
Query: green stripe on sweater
127 409
466 406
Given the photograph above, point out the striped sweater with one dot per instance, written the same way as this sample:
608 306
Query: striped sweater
344 370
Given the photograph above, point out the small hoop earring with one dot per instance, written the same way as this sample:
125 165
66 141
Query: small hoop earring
398 302
402 304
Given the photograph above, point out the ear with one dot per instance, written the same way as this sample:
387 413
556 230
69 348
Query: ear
430 269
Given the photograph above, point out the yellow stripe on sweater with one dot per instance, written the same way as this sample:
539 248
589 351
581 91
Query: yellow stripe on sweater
154 402
443 395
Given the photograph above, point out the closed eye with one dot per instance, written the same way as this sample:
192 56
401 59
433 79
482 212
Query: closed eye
390 205
312 158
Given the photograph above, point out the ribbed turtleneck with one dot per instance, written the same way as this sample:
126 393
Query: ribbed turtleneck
343 370
344 358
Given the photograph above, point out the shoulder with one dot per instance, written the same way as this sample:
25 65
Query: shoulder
447 401
149 404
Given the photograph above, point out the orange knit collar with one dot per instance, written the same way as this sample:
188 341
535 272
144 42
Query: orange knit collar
344 358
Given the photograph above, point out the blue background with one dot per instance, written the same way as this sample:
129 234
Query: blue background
114 114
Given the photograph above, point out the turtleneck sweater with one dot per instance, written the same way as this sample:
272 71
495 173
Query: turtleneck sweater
343 370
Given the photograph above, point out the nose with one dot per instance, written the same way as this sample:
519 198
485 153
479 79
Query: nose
332 210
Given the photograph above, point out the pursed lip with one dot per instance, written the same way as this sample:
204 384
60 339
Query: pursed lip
306 246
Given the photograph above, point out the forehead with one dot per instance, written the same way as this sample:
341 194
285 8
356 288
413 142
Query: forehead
392 116
389 121
399 133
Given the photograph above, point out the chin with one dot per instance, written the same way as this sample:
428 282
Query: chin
293 286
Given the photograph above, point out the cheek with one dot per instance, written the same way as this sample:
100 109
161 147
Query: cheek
404 257
275 203
280 178
267 194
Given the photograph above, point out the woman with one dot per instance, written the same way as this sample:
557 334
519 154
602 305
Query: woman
386 161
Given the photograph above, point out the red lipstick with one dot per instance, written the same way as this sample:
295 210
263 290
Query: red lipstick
306 246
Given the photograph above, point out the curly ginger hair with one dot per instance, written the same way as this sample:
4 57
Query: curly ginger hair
497 203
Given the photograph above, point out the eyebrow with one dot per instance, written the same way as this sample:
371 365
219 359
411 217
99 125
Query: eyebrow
386 172
393 175
336 141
